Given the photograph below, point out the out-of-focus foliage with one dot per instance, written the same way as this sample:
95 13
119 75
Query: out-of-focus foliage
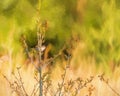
102 25
15 16
59 14
98 27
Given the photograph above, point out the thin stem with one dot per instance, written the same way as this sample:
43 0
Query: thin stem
34 89
62 84
40 60
113 90
64 75
40 82
101 77
22 83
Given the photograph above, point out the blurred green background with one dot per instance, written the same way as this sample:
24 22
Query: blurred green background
97 23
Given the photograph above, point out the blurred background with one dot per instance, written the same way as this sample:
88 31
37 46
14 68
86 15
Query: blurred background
95 23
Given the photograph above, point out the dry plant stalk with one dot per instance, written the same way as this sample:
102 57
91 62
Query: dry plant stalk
17 85
90 90
82 84
106 81
64 75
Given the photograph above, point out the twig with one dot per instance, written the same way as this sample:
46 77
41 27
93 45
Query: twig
20 79
63 76
82 84
34 89
40 37
101 77
14 88
37 89
18 84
